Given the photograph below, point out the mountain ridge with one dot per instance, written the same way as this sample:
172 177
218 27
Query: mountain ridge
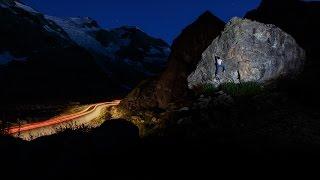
119 58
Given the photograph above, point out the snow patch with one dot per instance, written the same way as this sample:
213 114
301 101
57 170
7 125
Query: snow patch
137 65
6 57
3 6
154 51
133 27
167 51
26 8
84 23
120 32
79 35
49 29
112 47
124 42
81 21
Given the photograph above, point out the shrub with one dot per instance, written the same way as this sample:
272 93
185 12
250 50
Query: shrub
209 88
242 89
205 89
233 89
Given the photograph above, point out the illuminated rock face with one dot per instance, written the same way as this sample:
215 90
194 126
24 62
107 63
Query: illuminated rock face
251 51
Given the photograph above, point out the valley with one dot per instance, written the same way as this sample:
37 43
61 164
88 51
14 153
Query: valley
229 95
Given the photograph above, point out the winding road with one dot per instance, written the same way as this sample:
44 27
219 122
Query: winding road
87 114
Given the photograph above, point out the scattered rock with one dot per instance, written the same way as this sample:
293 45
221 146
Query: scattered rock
148 114
135 117
185 120
154 120
202 102
184 109
180 121
222 99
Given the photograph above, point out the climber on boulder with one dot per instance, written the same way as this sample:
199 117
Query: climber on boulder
219 67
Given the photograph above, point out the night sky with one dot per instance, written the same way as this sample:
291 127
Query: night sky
160 18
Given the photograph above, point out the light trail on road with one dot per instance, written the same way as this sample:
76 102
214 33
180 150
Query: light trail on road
60 119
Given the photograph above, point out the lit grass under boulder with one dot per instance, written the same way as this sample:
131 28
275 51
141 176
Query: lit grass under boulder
244 89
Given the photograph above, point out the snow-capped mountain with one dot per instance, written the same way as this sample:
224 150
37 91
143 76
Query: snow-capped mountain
79 32
25 31
30 40
128 45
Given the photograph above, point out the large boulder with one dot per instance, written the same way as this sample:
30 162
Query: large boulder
296 17
252 52
301 20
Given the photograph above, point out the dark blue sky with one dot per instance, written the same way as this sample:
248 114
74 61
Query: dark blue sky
160 18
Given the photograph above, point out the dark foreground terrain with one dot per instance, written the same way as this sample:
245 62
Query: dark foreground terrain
115 150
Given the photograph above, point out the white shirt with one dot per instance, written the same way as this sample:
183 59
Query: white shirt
219 61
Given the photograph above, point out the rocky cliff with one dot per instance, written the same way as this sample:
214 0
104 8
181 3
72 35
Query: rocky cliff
252 52
186 52
170 90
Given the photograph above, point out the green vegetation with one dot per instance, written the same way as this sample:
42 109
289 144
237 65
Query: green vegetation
242 89
233 89
209 88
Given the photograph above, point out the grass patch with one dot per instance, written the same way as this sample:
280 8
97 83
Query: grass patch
242 89
209 88
205 89
233 89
